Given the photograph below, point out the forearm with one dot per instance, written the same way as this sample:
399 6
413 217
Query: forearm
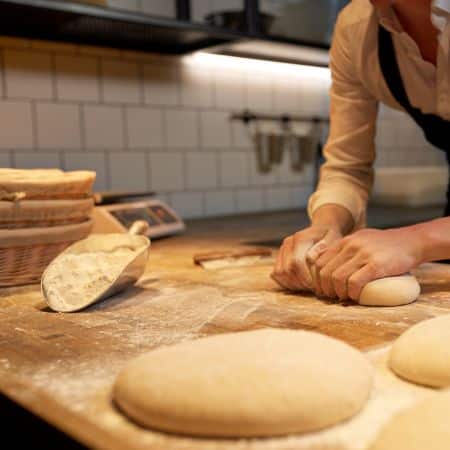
433 239
333 216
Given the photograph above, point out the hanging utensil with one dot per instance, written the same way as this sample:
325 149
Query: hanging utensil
263 155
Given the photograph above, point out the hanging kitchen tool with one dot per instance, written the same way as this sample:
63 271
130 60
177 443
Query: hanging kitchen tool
295 152
262 146
95 268
276 144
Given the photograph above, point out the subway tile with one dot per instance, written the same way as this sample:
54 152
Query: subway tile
144 127
258 178
16 125
196 86
53 46
287 175
259 91
120 81
229 89
58 126
215 129
187 204
77 78
28 74
93 50
128 171
103 127
128 5
95 161
161 84
5 160
201 170
242 135
200 9
285 94
300 196
278 198
12 42
166 171
311 98
181 128
233 169
37 160
159 8
249 200
218 203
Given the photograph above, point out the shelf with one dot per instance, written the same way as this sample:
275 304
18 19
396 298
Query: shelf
95 25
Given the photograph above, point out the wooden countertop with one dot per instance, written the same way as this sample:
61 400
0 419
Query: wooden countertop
62 366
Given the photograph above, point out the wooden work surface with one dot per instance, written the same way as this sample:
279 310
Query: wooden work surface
62 366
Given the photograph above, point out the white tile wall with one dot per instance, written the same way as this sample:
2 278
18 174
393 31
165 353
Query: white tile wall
233 167
201 170
161 84
16 125
28 74
167 171
89 161
146 121
182 128
188 204
128 171
215 129
218 203
120 81
144 127
58 126
104 127
41 159
77 78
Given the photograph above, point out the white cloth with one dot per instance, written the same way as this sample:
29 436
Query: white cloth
357 87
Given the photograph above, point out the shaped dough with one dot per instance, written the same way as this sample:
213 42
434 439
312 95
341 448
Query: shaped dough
424 426
422 353
390 291
255 383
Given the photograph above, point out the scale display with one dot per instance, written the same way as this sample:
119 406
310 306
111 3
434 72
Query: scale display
162 220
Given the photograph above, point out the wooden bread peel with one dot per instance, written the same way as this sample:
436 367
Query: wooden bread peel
221 259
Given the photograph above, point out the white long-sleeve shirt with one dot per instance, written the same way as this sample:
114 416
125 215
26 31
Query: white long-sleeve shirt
358 85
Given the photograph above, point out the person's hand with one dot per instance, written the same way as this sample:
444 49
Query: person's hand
291 269
346 266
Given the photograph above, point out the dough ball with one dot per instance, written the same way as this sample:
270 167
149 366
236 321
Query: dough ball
423 426
422 353
255 383
390 291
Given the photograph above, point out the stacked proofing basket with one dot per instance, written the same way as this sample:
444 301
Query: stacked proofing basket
41 213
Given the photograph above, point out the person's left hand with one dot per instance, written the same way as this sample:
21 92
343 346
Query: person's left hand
348 265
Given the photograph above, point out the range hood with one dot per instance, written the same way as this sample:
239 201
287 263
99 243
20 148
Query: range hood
81 23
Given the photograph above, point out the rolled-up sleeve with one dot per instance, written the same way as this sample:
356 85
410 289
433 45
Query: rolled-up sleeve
346 177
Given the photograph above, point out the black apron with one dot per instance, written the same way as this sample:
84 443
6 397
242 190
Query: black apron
436 129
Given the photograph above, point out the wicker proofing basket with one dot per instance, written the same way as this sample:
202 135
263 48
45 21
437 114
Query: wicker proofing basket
25 253
44 213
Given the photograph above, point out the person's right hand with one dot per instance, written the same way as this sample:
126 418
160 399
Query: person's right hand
292 268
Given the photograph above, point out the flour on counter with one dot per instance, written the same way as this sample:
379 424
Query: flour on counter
72 279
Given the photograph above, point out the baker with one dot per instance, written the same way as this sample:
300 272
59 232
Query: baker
396 52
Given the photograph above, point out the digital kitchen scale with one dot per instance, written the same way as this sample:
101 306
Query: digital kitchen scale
118 218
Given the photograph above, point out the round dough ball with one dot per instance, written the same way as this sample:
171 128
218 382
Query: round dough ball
422 353
423 426
255 383
390 291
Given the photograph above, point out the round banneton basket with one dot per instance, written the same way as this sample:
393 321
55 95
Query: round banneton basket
44 213
26 252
